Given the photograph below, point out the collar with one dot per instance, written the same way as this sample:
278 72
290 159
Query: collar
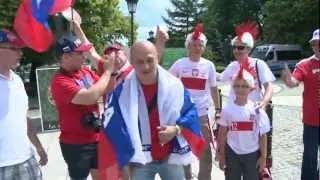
315 58
6 77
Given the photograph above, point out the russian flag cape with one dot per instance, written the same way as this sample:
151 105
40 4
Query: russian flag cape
126 133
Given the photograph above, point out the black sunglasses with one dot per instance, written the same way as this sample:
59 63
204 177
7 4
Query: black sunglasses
240 48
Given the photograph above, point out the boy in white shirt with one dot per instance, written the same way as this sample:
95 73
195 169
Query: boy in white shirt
242 134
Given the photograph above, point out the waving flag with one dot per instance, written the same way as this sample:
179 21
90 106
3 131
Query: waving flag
124 135
31 22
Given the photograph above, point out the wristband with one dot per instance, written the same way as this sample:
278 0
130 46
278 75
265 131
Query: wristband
178 130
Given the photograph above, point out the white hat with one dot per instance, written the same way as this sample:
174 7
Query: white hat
246 39
245 75
315 36
196 35
247 33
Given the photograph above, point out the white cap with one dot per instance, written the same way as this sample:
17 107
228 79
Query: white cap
245 76
315 36
246 39
202 38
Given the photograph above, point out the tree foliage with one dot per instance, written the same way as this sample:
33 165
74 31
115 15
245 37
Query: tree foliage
182 19
290 21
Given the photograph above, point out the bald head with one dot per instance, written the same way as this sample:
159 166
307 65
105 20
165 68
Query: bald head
143 47
144 59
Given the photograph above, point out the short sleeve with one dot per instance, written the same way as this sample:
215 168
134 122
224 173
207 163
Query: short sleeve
227 74
64 89
224 119
174 69
299 72
265 73
264 122
212 75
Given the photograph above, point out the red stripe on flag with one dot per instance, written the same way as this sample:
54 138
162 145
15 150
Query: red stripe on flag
108 167
242 126
194 83
196 142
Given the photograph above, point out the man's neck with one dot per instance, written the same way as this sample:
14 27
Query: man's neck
194 58
241 100
5 71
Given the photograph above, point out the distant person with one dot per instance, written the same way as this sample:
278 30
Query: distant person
198 75
307 71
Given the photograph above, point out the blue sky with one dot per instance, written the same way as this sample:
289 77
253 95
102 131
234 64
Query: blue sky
148 15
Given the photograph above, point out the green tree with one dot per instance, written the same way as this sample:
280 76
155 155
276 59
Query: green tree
182 19
221 17
290 21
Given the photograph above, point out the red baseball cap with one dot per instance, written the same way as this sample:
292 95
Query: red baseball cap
11 38
113 47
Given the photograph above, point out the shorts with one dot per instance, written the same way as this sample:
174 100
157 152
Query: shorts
80 159
28 170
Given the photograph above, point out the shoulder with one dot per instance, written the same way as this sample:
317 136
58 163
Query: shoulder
180 61
305 61
207 62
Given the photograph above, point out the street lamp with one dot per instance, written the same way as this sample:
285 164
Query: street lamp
132 6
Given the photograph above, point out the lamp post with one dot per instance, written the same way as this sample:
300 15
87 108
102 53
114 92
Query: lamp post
132 6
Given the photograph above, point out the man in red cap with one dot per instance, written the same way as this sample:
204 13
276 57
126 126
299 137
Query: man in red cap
76 91
17 159
308 72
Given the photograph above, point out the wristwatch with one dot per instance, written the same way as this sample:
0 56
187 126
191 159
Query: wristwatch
114 74
178 130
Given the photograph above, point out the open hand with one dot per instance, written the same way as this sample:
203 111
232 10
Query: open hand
161 35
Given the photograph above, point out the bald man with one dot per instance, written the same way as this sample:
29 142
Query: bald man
157 112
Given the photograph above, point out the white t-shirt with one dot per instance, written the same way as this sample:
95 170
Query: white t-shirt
245 126
265 76
198 78
15 146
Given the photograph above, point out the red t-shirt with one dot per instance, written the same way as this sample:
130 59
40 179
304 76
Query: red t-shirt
158 152
308 72
64 87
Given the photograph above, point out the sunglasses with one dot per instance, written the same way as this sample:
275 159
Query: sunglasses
239 48
241 86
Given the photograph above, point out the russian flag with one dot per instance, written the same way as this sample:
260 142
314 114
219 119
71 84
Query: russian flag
31 22
115 148
191 130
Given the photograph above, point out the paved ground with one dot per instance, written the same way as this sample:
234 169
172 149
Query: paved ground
287 141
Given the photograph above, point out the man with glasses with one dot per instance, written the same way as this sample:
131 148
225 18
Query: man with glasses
308 72
242 45
17 159
76 91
